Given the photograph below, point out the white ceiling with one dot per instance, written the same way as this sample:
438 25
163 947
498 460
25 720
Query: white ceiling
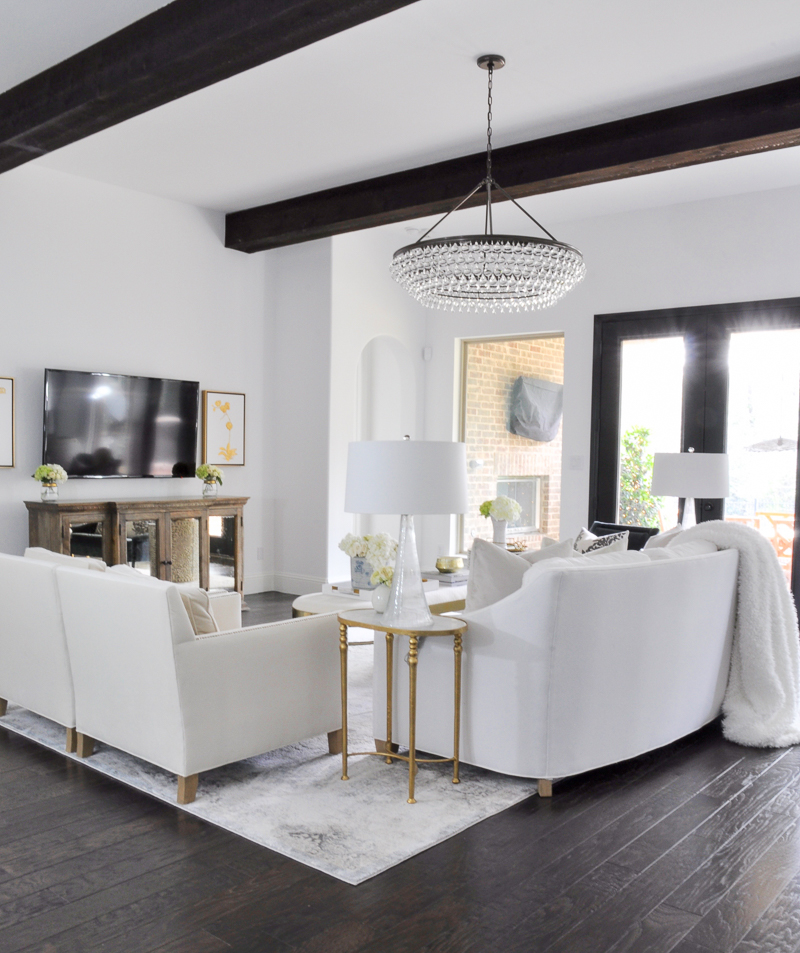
403 90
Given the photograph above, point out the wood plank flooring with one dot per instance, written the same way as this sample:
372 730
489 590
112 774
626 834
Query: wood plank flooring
692 849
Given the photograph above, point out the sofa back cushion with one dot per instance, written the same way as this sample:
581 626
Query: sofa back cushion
60 559
495 573
195 600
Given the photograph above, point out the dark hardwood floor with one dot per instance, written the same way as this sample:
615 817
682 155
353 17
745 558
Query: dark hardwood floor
694 848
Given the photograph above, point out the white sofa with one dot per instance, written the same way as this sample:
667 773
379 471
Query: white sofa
594 660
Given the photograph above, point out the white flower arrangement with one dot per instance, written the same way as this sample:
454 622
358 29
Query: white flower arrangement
501 508
50 473
382 576
208 472
379 549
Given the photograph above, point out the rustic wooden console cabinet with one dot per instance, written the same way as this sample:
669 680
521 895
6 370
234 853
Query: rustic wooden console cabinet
180 540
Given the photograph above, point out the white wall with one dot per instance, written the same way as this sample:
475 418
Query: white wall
300 364
368 305
95 277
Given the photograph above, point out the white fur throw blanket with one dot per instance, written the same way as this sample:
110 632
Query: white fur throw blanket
762 702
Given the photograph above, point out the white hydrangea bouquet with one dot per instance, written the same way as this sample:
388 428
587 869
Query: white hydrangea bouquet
501 508
368 554
50 473
207 472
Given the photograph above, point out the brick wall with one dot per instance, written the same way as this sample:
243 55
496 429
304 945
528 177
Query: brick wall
491 367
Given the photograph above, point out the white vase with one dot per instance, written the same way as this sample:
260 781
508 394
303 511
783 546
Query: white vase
380 597
499 531
360 573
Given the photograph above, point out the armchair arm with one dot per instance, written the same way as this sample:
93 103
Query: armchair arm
252 690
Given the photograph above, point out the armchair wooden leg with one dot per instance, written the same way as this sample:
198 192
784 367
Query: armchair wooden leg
3 706
391 748
335 741
72 740
187 788
85 745
545 787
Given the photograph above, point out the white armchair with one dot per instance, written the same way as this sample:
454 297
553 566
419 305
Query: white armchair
144 683
34 664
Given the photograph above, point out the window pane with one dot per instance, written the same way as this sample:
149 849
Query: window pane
763 385
651 396
502 463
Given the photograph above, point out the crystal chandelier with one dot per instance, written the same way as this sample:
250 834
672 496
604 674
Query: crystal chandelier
488 272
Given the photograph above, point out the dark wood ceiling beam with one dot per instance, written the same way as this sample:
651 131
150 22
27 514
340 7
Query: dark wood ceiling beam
178 49
753 120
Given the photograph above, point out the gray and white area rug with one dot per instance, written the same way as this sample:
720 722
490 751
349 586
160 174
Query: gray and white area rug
293 800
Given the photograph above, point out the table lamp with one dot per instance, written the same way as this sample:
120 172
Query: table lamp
406 477
701 476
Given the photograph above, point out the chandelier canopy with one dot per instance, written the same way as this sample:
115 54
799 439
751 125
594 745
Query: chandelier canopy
488 272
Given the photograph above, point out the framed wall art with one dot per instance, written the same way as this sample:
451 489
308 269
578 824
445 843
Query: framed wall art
223 428
7 422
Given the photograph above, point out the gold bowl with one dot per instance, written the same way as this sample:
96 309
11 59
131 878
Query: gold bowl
450 563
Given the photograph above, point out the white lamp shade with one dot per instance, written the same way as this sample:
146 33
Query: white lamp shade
696 476
399 477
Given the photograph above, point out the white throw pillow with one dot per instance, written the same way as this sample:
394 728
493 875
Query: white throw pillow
663 539
586 542
495 573
195 600
47 556
553 550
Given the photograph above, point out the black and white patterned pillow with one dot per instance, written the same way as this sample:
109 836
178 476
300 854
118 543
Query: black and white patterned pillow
586 542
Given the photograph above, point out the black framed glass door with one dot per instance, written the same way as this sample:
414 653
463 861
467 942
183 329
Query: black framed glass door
721 378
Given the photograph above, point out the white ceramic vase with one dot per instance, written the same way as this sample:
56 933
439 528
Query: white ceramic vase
380 597
499 531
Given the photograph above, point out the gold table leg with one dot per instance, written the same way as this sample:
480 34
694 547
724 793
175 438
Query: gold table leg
389 681
343 662
412 716
457 650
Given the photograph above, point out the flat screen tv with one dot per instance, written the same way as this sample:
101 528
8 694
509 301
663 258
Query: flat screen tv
112 425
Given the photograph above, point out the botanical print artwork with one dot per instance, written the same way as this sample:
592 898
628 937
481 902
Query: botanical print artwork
228 452
223 428
6 421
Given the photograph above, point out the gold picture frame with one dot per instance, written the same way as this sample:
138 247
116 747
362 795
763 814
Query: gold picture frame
223 428
7 423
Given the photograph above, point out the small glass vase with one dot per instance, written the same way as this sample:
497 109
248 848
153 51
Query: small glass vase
49 492
380 597
209 489
499 531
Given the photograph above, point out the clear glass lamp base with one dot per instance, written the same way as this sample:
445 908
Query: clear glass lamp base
408 607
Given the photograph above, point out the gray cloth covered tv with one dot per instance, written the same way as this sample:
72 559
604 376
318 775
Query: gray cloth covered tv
536 408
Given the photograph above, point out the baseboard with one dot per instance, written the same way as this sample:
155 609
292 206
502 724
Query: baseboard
290 582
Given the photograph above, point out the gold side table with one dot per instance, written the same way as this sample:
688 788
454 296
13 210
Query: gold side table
369 619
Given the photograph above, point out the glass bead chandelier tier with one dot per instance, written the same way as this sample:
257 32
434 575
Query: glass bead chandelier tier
488 272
